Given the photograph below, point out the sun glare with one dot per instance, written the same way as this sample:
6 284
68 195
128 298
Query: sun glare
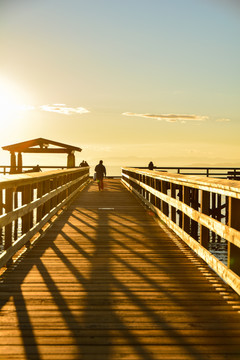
11 104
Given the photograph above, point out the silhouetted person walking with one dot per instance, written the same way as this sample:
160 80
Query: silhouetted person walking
100 172
150 165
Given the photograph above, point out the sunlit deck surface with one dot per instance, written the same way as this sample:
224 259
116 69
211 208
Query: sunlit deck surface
108 282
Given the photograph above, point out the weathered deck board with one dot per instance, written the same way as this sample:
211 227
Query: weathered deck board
107 282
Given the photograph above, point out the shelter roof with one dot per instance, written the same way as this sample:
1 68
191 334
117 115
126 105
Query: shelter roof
41 145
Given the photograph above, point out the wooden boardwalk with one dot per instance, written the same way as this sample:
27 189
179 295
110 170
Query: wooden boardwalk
107 282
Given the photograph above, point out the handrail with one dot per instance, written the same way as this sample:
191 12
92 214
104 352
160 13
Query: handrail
28 201
9 169
191 206
222 172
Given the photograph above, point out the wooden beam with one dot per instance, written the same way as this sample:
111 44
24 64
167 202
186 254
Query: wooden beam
46 150
20 147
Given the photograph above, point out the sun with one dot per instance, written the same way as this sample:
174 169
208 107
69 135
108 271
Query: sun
11 104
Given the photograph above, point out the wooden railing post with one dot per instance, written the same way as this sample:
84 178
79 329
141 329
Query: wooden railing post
234 251
26 199
219 211
158 187
8 228
153 185
39 195
180 198
16 221
186 219
53 187
165 206
205 207
1 211
195 205
173 195
213 214
143 180
46 189
31 199
139 186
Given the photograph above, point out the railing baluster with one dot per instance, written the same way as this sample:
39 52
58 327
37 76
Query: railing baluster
16 221
164 204
39 195
26 199
9 227
1 211
205 207
173 195
186 219
234 251
195 206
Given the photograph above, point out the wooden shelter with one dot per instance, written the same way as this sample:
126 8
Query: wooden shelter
37 146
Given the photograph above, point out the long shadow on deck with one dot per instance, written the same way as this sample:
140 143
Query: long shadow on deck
98 316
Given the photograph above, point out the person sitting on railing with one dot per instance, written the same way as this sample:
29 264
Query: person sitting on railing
83 164
36 168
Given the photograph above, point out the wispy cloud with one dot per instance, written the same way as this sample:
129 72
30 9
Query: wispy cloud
223 120
63 109
169 117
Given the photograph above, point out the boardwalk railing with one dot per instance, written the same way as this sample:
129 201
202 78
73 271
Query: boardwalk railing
29 201
216 172
187 204
8 169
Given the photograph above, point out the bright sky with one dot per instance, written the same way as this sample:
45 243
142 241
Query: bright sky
128 81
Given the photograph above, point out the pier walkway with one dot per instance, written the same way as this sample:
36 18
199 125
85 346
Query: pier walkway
108 281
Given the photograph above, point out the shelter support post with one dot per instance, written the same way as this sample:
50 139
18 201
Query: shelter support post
19 164
13 163
71 160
